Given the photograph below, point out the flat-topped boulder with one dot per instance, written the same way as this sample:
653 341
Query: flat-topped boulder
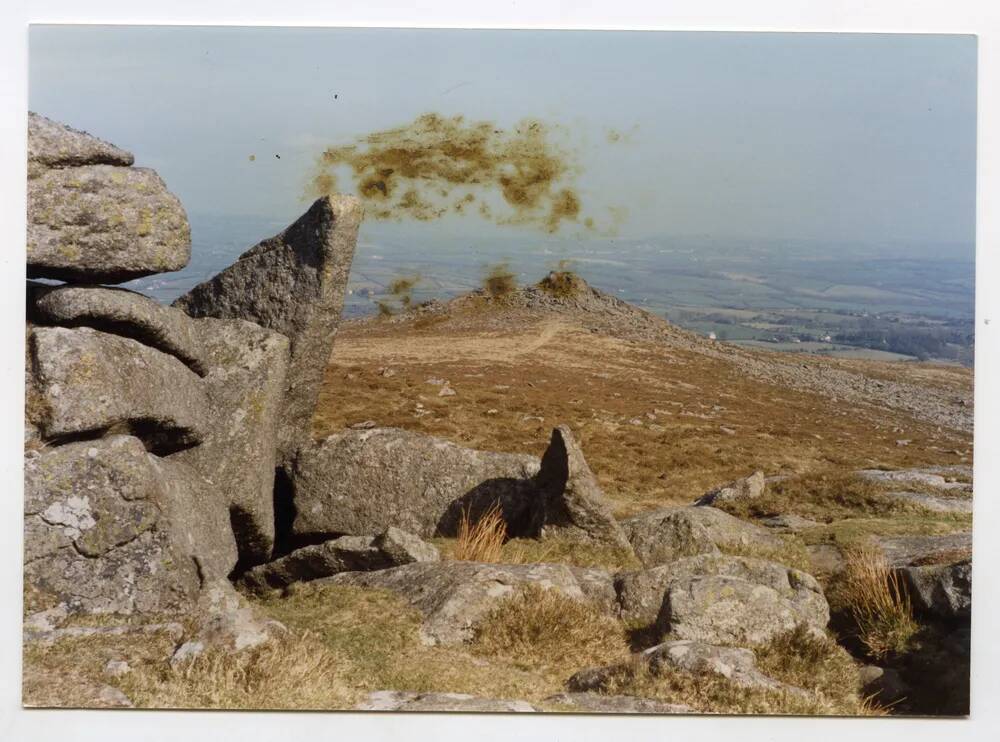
104 224
87 382
111 528
721 599
663 536
747 488
454 596
363 481
292 283
906 551
125 313
55 145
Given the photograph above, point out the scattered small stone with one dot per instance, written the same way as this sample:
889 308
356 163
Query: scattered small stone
727 431
492 411
117 668
446 391
187 652
366 425
386 372
436 382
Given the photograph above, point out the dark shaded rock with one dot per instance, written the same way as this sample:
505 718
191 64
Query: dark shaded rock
112 528
722 599
126 313
89 382
884 683
600 703
748 488
51 144
391 548
571 501
454 596
104 224
944 590
397 700
292 283
665 535
244 385
363 481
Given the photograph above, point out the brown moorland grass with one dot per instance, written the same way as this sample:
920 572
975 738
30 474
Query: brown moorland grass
538 629
552 550
652 419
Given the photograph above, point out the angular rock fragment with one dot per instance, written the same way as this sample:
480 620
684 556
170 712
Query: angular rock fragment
89 382
126 313
665 535
392 548
454 596
292 283
244 384
571 500
104 224
748 488
52 145
722 599
363 481
123 530
397 700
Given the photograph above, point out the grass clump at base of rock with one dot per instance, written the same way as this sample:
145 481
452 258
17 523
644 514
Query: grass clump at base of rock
483 540
877 601
817 665
539 627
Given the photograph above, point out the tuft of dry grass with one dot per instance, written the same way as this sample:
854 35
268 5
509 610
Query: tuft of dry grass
499 282
553 550
483 540
297 672
543 628
877 601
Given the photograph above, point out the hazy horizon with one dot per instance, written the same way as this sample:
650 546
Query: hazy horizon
833 138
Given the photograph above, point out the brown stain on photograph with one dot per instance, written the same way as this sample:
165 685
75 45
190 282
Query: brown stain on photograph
437 165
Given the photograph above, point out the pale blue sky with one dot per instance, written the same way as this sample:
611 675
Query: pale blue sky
818 136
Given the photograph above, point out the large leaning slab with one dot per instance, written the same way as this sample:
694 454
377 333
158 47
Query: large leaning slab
292 283
104 224
88 382
111 528
363 481
454 596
